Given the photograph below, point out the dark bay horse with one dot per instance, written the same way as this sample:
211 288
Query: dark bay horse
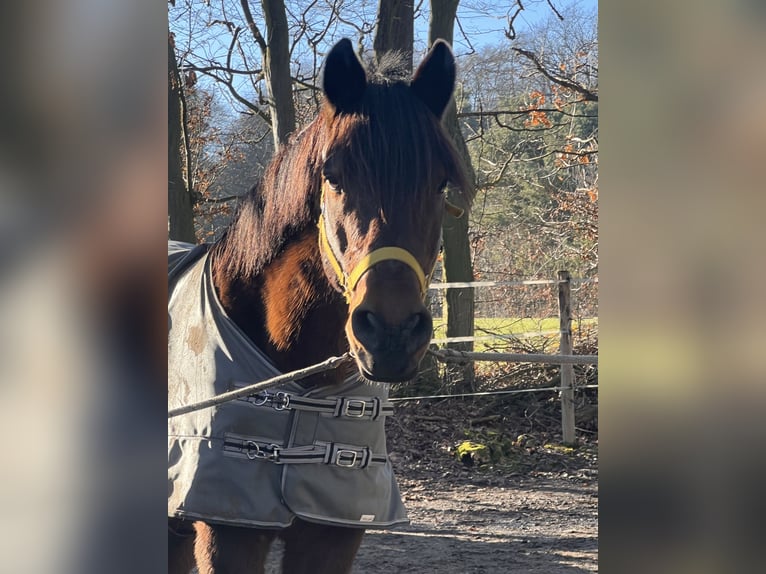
333 252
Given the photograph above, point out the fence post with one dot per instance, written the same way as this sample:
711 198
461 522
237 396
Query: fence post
565 348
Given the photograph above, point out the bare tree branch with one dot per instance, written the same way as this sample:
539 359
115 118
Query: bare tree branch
510 33
229 24
500 175
229 72
222 199
214 68
485 113
556 12
186 139
237 96
465 36
587 94
253 26
305 84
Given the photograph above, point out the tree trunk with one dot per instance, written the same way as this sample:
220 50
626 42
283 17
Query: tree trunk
276 63
180 209
457 249
395 29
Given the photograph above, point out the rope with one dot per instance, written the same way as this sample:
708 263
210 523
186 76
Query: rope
444 355
453 356
468 284
486 393
327 365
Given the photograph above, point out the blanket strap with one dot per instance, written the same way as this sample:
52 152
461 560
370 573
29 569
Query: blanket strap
331 453
344 407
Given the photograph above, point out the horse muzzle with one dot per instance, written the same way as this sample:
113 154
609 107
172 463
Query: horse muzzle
386 352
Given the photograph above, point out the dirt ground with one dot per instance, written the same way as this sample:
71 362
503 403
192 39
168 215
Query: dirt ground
545 526
530 507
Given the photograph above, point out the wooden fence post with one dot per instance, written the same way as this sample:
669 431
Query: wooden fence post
565 348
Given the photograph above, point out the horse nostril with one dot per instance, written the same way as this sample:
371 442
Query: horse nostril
367 328
420 324
413 321
373 321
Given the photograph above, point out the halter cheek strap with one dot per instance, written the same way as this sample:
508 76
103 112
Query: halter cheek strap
349 281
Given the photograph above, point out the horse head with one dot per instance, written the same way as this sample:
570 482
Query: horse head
385 166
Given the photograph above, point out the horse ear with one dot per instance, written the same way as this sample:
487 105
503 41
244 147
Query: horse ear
344 78
434 79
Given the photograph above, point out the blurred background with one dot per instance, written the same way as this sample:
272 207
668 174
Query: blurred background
82 228
682 261
83 221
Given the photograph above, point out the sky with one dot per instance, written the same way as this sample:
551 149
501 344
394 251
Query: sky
483 21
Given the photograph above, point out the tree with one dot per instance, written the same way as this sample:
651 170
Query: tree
277 110
457 248
180 208
395 29
529 111
276 64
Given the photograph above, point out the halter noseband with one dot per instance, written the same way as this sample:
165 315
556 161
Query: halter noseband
349 281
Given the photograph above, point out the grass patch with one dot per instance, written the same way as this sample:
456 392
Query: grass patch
535 331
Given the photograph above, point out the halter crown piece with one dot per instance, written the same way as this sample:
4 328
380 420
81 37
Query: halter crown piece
349 281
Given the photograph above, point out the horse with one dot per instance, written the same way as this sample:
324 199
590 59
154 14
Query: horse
332 253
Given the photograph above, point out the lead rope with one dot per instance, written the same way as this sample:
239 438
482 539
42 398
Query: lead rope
326 365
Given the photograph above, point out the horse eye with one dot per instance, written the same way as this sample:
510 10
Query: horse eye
443 186
332 182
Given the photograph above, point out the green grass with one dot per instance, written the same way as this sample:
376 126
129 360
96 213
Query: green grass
547 328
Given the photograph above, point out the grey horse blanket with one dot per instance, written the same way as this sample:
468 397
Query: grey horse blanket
262 460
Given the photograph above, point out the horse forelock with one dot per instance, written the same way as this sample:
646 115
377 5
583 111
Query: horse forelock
394 146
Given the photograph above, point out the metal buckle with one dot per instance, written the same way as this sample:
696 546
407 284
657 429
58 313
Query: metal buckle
253 454
260 399
357 404
281 401
345 452
265 452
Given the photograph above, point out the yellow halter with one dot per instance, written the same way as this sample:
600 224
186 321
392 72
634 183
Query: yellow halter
349 281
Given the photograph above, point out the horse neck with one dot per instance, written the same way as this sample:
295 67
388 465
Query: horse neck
289 309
